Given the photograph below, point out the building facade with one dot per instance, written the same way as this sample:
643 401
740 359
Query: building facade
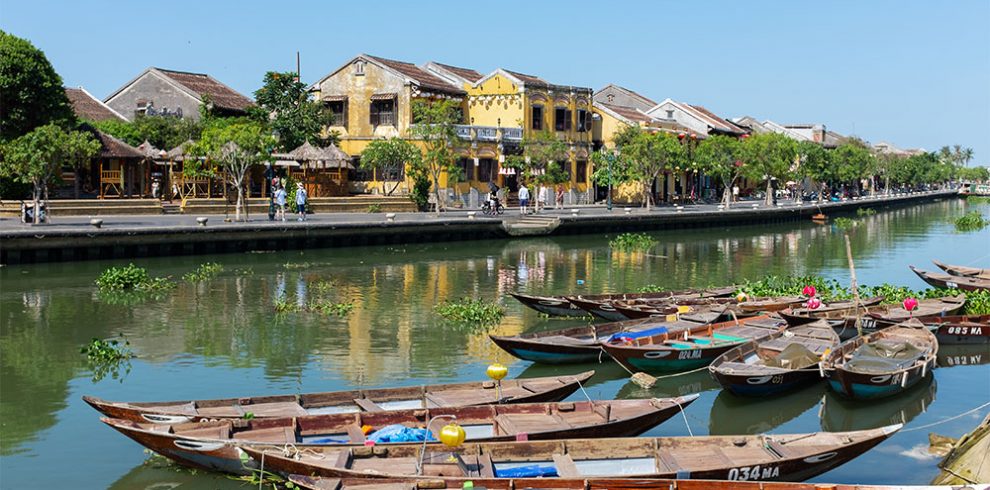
161 92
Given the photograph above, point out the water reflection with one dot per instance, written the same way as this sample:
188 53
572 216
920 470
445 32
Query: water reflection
732 414
840 414
685 384
962 355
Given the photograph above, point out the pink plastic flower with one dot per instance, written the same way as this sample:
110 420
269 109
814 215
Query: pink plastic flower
814 303
910 304
809 291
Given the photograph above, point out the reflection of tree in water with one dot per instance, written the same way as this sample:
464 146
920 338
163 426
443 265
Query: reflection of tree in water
732 414
840 414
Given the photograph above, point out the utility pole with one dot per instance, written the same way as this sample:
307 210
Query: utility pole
298 75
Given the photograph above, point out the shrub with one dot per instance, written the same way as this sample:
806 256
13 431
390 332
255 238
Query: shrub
204 272
374 208
632 242
971 221
421 192
471 311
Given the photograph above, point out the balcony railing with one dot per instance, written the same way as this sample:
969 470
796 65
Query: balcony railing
463 131
512 134
486 133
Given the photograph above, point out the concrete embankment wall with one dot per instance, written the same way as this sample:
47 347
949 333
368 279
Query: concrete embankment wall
41 244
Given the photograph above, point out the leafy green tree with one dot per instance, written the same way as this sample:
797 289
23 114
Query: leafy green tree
853 162
390 156
31 92
888 166
38 157
769 156
234 149
721 157
611 168
436 120
542 160
814 165
287 107
650 154
979 174
164 133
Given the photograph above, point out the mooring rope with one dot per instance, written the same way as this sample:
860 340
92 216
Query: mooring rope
954 417
686 424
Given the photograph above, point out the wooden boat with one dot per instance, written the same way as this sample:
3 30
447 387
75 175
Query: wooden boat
635 310
776 457
784 361
883 363
632 310
698 347
963 271
212 445
952 282
583 344
966 462
601 305
550 305
883 316
832 311
324 483
529 390
951 329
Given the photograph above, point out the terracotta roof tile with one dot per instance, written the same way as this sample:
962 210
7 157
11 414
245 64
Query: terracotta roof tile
202 84
111 147
465 73
717 122
529 79
89 108
421 77
628 113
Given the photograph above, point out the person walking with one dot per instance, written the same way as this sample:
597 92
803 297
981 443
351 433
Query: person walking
560 196
523 198
280 202
301 199
541 198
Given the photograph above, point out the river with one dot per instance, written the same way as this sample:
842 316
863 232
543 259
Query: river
222 338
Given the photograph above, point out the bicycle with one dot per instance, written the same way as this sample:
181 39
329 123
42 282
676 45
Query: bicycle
487 209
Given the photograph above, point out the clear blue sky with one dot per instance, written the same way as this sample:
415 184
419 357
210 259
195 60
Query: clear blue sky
914 73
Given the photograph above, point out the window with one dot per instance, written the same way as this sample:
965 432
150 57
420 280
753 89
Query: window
581 171
566 168
360 174
670 114
397 173
466 166
538 117
583 121
383 112
485 169
562 119
338 112
359 68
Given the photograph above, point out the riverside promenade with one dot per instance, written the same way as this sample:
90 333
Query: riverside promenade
80 238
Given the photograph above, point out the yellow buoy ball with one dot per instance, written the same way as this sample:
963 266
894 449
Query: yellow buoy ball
452 435
497 371
741 297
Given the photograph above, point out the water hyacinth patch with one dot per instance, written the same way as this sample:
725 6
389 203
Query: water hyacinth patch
632 242
971 221
204 272
471 311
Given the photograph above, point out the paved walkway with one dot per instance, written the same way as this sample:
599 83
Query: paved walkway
12 225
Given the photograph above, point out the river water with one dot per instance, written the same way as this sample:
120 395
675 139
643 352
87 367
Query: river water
222 337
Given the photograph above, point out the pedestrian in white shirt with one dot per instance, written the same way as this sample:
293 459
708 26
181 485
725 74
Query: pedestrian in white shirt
523 199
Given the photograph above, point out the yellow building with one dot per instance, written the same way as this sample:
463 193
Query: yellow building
371 97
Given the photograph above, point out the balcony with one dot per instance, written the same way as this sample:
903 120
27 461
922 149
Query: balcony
486 133
463 131
512 134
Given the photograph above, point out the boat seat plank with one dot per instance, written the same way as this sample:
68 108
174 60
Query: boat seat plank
343 460
274 435
275 409
486 468
565 466
216 432
744 368
539 386
227 411
355 433
368 405
395 466
181 408
667 459
456 398
565 340
775 448
527 423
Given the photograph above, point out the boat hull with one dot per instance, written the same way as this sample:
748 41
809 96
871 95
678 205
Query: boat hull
548 353
549 305
885 376
953 282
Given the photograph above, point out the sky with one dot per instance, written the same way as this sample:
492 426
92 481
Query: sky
912 73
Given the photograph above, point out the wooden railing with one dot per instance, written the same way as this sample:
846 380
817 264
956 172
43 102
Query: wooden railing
110 176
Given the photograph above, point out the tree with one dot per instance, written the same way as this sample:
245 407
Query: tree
769 157
390 156
38 157
888 166
235 148
611 168
815 165
721 157
650 154
286 106
435 120
541 160
31 92
163 132
853 162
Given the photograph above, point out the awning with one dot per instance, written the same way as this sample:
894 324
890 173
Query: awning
334 98
287 163
384 96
